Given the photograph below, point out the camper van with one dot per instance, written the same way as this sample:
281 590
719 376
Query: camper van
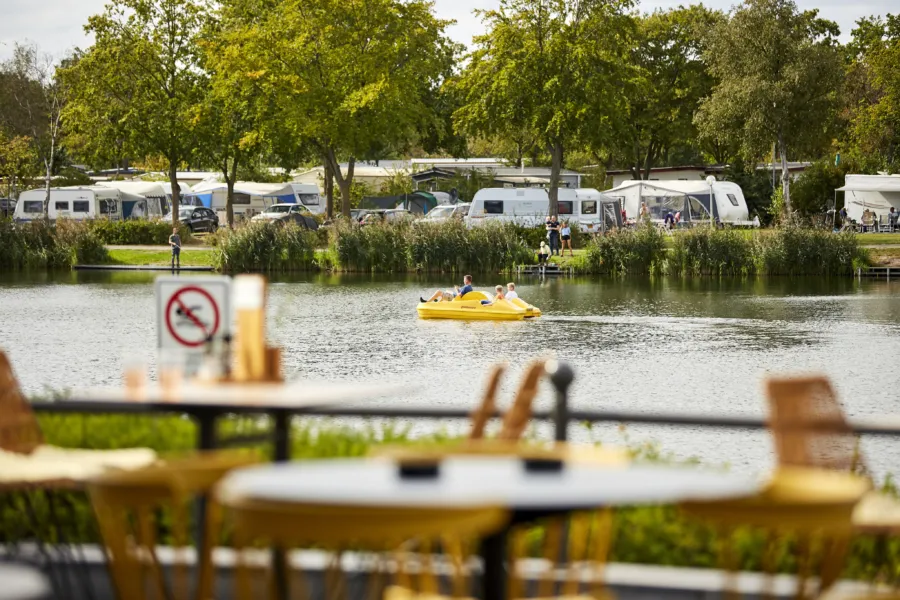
250 198
308 196
77 203
689 198
530 206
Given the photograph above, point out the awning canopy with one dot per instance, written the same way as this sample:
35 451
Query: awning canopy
871 186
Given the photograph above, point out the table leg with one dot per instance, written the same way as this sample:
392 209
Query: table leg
206 440
281 432
493 556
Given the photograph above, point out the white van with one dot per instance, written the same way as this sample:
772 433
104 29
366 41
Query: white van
77 203
531 206
308 195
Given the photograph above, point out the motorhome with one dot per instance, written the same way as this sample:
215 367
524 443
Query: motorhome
531 206
689 198
155 201
250 198
77 203
308 195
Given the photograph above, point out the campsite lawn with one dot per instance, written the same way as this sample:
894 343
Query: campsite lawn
152 256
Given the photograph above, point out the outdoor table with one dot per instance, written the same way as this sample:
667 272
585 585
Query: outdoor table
467 482
205 404
22 583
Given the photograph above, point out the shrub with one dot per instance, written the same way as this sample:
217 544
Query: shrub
137 231
266 247
40 245
793 250
375 248
451 247
638 251
706 251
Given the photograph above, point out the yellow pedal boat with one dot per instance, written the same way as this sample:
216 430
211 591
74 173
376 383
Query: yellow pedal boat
470 308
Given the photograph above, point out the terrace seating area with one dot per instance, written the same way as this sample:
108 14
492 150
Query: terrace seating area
495 515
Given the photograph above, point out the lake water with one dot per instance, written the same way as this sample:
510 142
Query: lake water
648 345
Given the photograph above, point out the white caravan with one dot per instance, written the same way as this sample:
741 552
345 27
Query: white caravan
878 193
690 198
308 195
155 201
77 203
250 198
531 206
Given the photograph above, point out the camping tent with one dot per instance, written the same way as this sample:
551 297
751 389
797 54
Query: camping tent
690 198
878 193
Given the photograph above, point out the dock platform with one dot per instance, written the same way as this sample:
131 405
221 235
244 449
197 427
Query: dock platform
195 269
548 270
879 273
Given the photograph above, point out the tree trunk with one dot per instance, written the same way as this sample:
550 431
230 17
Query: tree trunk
47 179
344 181
785 175
230 177
176 191
329 191
556 159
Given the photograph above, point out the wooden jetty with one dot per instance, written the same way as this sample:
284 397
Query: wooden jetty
547 270
194 269
879 273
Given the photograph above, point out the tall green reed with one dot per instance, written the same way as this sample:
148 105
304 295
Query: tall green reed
639 251
265 247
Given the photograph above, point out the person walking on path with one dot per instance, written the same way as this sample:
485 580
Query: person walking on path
175 243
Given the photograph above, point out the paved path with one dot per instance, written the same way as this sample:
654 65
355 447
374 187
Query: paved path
156 248
877 246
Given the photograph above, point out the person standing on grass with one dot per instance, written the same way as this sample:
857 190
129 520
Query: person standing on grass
175 243
565 233
553 235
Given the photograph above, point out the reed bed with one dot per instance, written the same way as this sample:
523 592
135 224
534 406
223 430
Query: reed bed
639 251
266 247
41 245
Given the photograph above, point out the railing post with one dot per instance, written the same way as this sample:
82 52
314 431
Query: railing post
561 376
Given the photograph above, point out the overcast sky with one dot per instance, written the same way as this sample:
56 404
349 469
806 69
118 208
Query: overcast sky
57 25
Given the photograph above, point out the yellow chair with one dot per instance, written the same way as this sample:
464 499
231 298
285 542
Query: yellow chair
566 548
127 506
374 532
814 505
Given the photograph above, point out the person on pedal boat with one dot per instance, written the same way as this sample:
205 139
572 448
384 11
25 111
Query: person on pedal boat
511 291
441 295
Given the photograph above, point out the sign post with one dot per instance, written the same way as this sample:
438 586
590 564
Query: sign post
190 311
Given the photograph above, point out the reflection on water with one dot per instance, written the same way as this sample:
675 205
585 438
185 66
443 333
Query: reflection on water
636 344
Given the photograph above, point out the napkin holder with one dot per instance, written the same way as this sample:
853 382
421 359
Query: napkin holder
419 469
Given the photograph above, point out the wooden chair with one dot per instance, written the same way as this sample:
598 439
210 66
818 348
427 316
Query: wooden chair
812 506
376 534
26 462
810 430
134 507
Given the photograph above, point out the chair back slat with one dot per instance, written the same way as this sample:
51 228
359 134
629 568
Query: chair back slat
809 427
19 429
516 418
488 406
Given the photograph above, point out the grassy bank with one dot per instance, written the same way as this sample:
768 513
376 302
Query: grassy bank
194 258
648 535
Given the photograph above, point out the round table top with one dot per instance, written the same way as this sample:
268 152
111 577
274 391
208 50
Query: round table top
480 481
22 583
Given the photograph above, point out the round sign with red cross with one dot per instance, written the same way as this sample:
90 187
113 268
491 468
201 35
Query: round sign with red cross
192 311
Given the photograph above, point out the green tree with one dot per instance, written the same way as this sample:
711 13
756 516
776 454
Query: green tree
144 74
777 70
350 76
546 70
18 161
668 81
31 105
814 190
872 94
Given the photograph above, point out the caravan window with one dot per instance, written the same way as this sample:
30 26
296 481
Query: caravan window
493 207
241 198
33 206
107 207
61 205
565 207
589 207
733 199
81 206
309 199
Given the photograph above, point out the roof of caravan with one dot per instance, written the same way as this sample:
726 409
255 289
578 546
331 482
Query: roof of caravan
141 188
870 183
246 187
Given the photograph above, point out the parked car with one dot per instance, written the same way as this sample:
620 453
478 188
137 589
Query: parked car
288 213
7 208
394 215
196 218
446 212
